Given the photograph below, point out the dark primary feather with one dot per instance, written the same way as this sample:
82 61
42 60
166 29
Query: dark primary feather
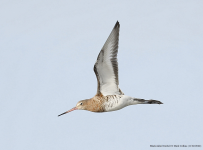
114 38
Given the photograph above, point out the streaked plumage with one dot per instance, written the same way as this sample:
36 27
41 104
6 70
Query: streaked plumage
109 97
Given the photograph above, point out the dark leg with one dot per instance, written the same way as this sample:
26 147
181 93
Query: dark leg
142 101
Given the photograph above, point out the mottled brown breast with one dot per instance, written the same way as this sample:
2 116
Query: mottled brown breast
95 104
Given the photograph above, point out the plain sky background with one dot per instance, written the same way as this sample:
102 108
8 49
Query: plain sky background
47 52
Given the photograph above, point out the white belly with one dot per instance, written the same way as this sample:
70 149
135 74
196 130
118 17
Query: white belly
116 102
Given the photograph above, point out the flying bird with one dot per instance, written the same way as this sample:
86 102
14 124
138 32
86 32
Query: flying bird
109 96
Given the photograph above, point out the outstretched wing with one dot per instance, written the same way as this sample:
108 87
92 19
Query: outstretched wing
106 66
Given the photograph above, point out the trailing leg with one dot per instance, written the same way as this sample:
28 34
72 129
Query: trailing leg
143 101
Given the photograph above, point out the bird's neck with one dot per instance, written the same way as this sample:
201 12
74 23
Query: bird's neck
95 104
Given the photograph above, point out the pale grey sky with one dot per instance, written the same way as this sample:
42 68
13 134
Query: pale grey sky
47 52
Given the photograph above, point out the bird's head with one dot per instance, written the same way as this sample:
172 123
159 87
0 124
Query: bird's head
81 105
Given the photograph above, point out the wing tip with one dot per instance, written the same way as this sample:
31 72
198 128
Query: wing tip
117 25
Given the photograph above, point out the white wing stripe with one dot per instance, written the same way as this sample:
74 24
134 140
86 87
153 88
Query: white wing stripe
106 66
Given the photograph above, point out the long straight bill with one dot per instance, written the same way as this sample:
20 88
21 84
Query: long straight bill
68 111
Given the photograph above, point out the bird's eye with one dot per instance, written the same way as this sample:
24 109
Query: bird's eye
80 103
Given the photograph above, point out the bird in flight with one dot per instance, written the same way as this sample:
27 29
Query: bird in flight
109 96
